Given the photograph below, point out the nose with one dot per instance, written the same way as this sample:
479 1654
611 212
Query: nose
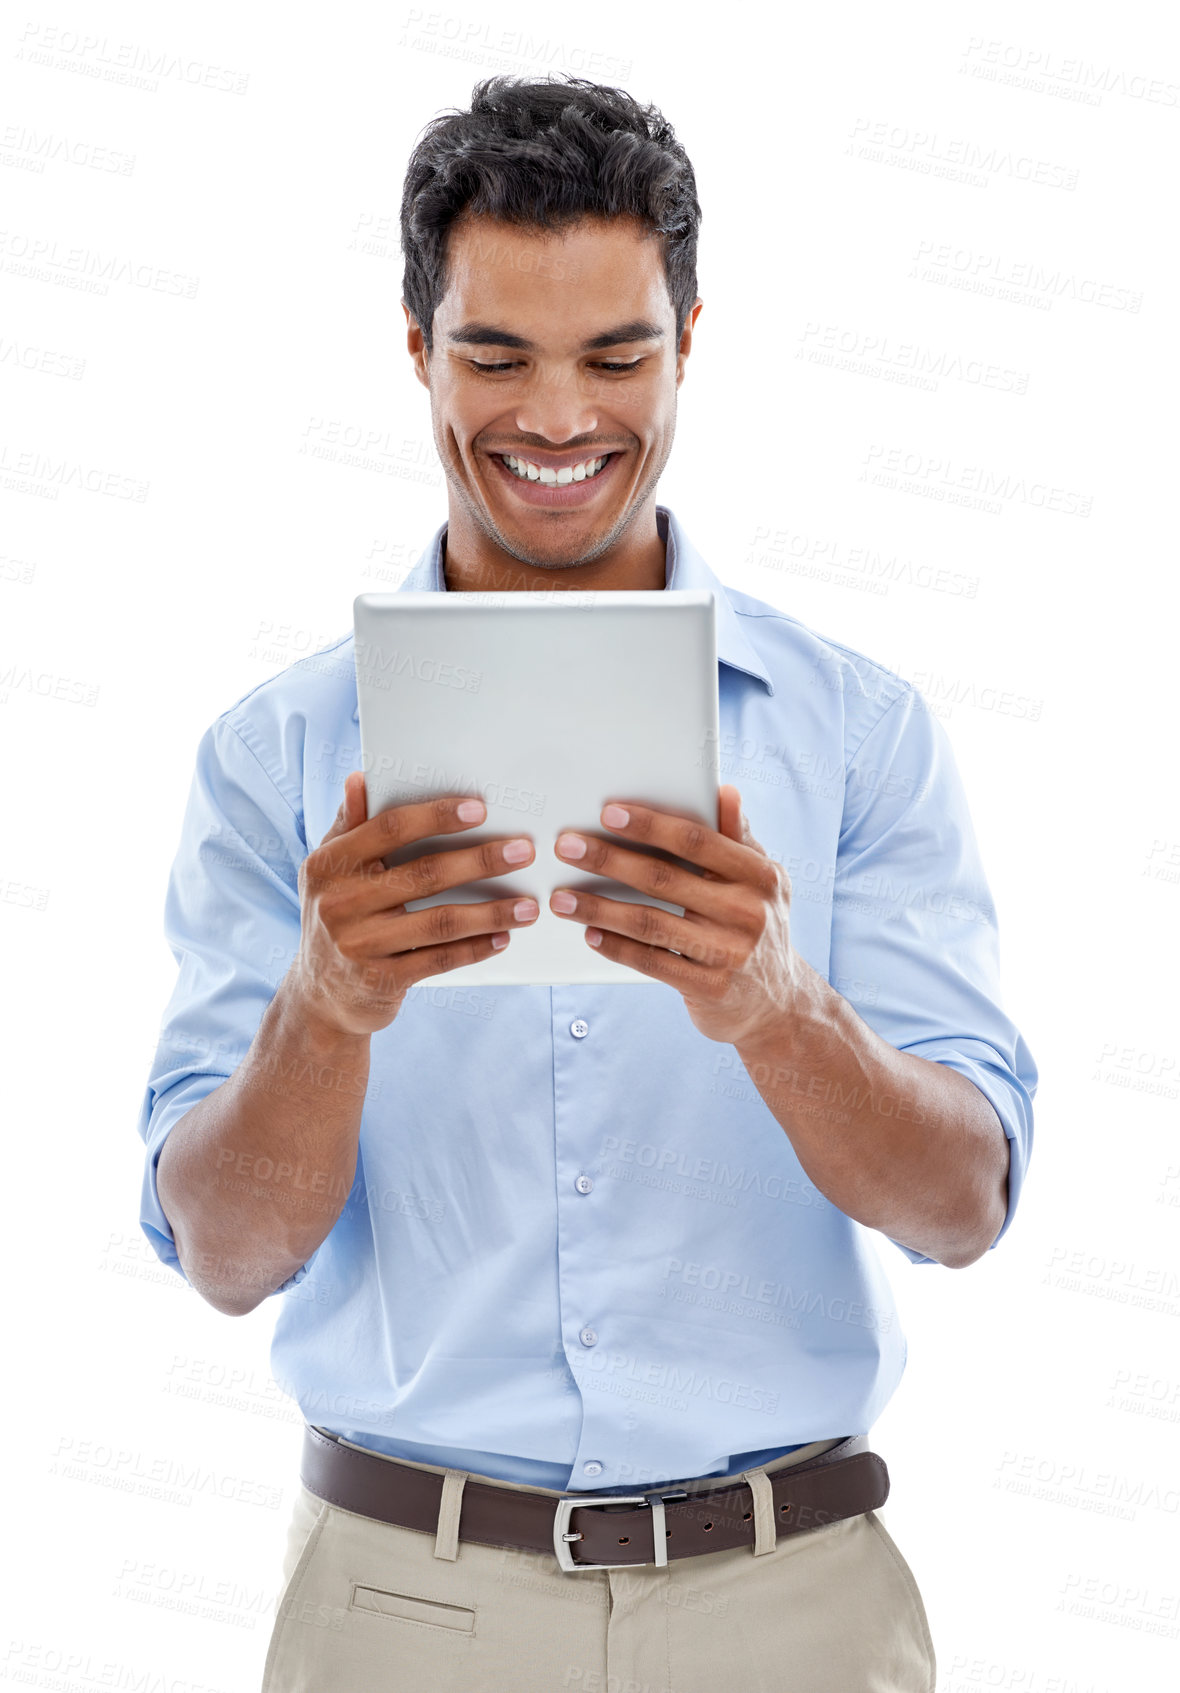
556 410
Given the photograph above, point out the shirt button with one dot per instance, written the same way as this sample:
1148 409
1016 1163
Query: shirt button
592 1467
584 1184
588 1337
579 1028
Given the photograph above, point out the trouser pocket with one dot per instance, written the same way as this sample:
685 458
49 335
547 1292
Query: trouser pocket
369 1609
308 1520
412 1607
924 1638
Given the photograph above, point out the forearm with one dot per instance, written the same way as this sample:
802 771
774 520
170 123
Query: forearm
898 1142
253 1177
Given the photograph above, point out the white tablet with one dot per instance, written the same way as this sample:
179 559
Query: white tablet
545 704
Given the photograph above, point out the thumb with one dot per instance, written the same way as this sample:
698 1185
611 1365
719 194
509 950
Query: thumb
353 807
747 836
733 818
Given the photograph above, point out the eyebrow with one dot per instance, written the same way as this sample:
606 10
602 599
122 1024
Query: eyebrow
475 334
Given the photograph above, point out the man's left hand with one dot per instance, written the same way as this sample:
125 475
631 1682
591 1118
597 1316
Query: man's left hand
730 955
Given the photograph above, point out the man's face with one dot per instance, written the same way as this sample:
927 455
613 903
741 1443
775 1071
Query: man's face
511 372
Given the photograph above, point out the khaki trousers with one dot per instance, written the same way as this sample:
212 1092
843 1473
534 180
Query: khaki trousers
371 1608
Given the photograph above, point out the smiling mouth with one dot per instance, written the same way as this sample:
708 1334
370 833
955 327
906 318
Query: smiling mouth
555 488
526 470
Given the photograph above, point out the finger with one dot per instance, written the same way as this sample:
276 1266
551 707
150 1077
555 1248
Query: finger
686 838
741 823
704 943
688 977
729 812
352 807
384 934
429 873
714 897
410 967
367 840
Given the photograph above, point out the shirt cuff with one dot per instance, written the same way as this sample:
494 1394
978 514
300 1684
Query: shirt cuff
1010 1100
168 1110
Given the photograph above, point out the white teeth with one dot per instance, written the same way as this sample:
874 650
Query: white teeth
528 472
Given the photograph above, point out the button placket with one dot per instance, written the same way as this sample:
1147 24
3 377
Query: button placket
575 1124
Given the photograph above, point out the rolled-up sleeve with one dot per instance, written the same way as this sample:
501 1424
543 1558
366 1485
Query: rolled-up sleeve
914 924
231 919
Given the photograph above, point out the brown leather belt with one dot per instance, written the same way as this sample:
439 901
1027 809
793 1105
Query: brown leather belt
608 1530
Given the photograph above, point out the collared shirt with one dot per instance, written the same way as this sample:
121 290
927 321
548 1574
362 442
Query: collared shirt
580 1251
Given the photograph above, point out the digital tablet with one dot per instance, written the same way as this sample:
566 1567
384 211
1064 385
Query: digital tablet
545 704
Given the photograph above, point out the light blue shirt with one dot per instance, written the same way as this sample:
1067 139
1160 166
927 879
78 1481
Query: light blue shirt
580 1251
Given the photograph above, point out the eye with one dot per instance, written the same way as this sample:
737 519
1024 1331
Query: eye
613 367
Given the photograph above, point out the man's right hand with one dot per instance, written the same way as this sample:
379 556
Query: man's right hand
360 949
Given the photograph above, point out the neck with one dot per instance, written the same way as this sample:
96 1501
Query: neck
473 561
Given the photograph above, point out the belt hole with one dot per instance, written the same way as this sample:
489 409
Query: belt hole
783 1509
747 1516
625 1540
708 1526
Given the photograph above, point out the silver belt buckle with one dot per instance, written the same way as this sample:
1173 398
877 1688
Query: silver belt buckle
563 1535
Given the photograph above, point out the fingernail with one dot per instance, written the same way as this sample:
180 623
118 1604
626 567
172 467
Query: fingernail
564 902
524 909
517 851
571 846
471 810
615 817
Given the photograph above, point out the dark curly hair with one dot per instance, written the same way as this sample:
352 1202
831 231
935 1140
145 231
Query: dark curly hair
544 154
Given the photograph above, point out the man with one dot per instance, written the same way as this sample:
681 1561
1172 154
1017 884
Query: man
532 1243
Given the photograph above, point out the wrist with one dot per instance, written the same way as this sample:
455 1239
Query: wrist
808 1026
312 1011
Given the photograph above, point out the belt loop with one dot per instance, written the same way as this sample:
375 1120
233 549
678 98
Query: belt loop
765 1528
446 1540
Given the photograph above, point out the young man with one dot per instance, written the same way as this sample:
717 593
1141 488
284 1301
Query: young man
584 1243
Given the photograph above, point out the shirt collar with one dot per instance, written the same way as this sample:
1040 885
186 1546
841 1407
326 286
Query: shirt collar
684 568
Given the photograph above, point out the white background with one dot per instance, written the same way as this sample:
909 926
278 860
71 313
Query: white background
873 178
